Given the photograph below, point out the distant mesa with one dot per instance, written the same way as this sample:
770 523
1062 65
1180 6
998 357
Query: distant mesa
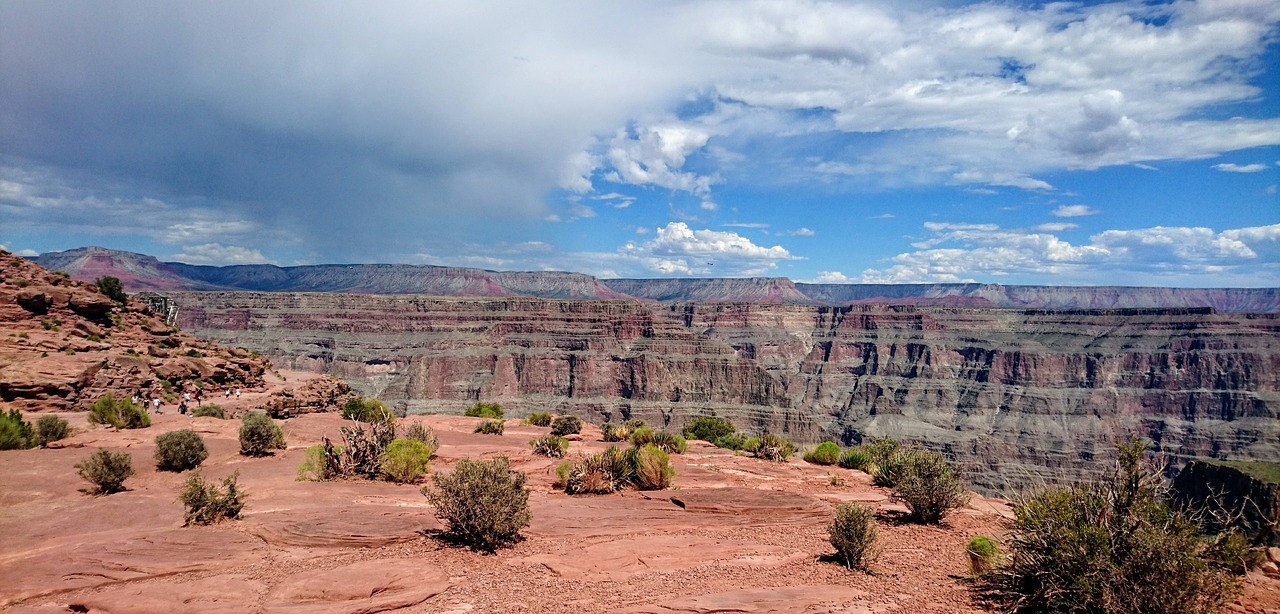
141 272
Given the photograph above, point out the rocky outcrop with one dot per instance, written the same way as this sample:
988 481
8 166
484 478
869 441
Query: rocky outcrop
1244 495
63 345
316 395
1015 396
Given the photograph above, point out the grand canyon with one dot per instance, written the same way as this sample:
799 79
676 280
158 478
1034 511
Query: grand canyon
1033 393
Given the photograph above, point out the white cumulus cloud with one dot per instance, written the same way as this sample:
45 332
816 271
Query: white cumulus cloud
1074 211
1237 168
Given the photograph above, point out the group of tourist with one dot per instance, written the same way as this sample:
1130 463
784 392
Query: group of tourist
155 401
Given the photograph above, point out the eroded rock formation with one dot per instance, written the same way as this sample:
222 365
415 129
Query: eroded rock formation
1015 396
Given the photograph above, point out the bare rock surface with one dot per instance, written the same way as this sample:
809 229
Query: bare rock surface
745 536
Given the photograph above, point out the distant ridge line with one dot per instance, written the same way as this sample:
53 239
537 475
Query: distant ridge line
140 272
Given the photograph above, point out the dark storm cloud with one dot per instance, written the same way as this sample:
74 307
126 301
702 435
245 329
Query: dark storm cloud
322 116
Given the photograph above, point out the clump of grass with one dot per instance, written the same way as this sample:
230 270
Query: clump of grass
367 410
209 411
855 458
667 442
769 447
652 468
613 433
553 446
983 554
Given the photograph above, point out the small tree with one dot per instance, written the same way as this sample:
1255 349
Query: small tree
107 470
111 288
484 503
180 450
853 534
259 435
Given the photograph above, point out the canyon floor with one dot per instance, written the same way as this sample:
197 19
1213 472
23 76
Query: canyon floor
735 534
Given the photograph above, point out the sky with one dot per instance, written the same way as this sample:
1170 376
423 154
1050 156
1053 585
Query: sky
1121 143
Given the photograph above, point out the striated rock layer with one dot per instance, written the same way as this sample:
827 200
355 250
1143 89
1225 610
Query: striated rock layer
1017 397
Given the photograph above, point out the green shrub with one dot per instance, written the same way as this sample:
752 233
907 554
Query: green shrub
491 427
50 429
881 448
827 453
613 433
426 435
566 425
16 433
367 410
1107 546
315 467
209 411
483 503
539 418
180 450
112 288
405 461
492 411
1230 550
635 423
885 473
668 442
732 441
652 468
928 487
855 458
983 554
853 534
562 473
118 413
707 428
554 446
206 503
770 447
259 435
106 469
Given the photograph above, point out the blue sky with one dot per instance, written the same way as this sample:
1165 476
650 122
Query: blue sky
1133 143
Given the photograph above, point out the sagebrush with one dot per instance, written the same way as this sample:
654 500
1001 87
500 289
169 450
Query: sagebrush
50 429
260 435
209 411
707 428
491 427
539 418
107 470
566 425
928 486
180 450
853 533
483 503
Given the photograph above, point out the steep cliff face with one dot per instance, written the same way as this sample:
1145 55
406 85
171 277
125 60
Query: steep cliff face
1016 396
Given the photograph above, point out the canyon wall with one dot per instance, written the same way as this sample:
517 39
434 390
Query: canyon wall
1016 397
